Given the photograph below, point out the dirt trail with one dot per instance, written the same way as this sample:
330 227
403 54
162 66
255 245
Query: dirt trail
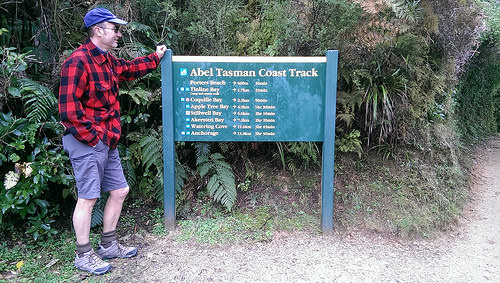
469 254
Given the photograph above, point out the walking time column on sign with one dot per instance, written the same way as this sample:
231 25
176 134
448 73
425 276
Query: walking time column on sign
257 99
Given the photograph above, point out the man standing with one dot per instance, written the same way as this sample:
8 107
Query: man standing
90 111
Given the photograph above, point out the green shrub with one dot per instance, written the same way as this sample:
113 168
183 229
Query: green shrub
214 34
30 155
478 96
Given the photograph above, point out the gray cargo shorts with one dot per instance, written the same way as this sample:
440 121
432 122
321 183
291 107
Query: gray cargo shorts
97 169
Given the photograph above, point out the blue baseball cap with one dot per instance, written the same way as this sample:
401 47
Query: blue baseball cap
99 15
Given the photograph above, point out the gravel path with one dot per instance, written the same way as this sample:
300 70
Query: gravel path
471 253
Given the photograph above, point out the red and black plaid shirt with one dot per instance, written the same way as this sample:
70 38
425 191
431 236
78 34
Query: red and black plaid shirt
88 94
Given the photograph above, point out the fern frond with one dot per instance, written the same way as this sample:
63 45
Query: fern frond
180 176
222 190
291 165
138 95
407 10
40 102
152 152
97 216
98 211
147 30
348 118
54 125
221 164
217 156
221 185
158 188
227 178
128 166
202 149
351 100
224 146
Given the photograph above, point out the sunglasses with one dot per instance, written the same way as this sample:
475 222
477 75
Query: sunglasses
116 28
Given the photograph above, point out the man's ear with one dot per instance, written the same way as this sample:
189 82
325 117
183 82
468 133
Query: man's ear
97 31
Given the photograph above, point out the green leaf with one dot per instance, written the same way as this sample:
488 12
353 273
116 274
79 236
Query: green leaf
21 68
10 198
5 207
65 192
42 203
14 157
31 208
14 91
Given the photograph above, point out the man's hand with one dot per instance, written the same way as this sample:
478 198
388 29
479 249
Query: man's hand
160 50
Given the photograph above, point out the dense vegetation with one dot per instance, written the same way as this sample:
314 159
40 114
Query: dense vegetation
417 80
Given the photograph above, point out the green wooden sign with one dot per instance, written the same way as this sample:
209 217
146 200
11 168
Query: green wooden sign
249 99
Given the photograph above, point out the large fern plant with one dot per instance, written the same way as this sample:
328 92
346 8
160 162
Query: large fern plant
152 156
146 156
214 168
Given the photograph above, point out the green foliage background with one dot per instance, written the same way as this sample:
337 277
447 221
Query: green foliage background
408 69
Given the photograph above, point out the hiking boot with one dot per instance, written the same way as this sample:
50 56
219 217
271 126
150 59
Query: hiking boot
116 250
92 263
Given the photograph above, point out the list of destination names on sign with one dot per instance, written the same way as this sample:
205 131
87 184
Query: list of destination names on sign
247 101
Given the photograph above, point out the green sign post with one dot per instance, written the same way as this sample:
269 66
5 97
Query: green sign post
249 99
